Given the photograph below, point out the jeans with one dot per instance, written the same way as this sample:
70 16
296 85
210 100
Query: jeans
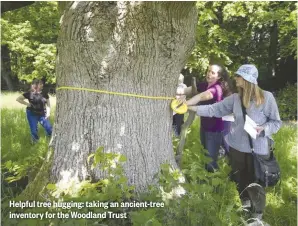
211 141
33 120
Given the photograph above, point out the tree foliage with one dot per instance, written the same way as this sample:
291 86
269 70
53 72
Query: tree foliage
233 33
31 34
230 33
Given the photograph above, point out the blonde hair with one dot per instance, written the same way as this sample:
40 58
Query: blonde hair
250 92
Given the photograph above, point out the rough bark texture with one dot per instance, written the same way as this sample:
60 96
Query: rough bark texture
129 47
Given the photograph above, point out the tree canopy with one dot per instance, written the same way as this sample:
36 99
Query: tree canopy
230 33
233 33
31 35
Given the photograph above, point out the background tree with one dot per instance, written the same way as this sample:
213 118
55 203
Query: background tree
30 42
262 33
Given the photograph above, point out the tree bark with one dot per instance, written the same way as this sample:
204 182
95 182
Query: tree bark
127 47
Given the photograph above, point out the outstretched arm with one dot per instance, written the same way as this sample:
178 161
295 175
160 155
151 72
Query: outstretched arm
218 110
207 95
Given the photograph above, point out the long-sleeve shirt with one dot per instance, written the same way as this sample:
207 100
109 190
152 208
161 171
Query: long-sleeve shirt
265 115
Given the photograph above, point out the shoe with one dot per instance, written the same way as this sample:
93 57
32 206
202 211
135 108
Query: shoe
256 220
221 152
257 216
257 196
255 223
246 205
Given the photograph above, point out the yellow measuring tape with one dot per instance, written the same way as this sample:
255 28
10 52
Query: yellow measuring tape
115 93
180 110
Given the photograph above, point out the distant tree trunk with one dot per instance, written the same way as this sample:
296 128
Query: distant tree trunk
128 47
6 69
273 49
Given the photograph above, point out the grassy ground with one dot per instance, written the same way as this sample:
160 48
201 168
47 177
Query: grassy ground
20 159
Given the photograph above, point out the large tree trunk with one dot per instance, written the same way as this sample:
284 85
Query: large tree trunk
128 47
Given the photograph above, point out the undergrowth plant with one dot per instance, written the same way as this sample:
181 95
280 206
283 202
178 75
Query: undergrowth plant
191 196
287 102
20 160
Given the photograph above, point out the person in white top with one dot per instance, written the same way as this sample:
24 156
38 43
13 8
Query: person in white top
178 118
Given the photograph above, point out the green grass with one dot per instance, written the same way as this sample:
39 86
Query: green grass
21 159
282 200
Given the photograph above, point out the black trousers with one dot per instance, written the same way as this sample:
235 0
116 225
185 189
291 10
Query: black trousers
243 174
242 170
178 121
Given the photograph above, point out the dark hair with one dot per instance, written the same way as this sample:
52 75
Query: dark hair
34 84
226 83
36 81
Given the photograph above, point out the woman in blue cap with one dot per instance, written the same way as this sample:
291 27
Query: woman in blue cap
261 107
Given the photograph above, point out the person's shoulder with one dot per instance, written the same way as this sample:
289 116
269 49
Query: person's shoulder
233 96
26 94
45 95
268 94
217 86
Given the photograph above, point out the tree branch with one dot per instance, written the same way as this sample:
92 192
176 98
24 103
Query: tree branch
12 5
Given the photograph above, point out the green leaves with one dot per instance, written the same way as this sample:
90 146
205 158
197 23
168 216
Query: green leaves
51 186
232 33
31 34
145 218
287 102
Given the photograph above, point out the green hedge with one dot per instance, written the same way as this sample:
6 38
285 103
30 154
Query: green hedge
287 102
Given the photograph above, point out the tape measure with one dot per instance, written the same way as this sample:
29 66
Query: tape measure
178 107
